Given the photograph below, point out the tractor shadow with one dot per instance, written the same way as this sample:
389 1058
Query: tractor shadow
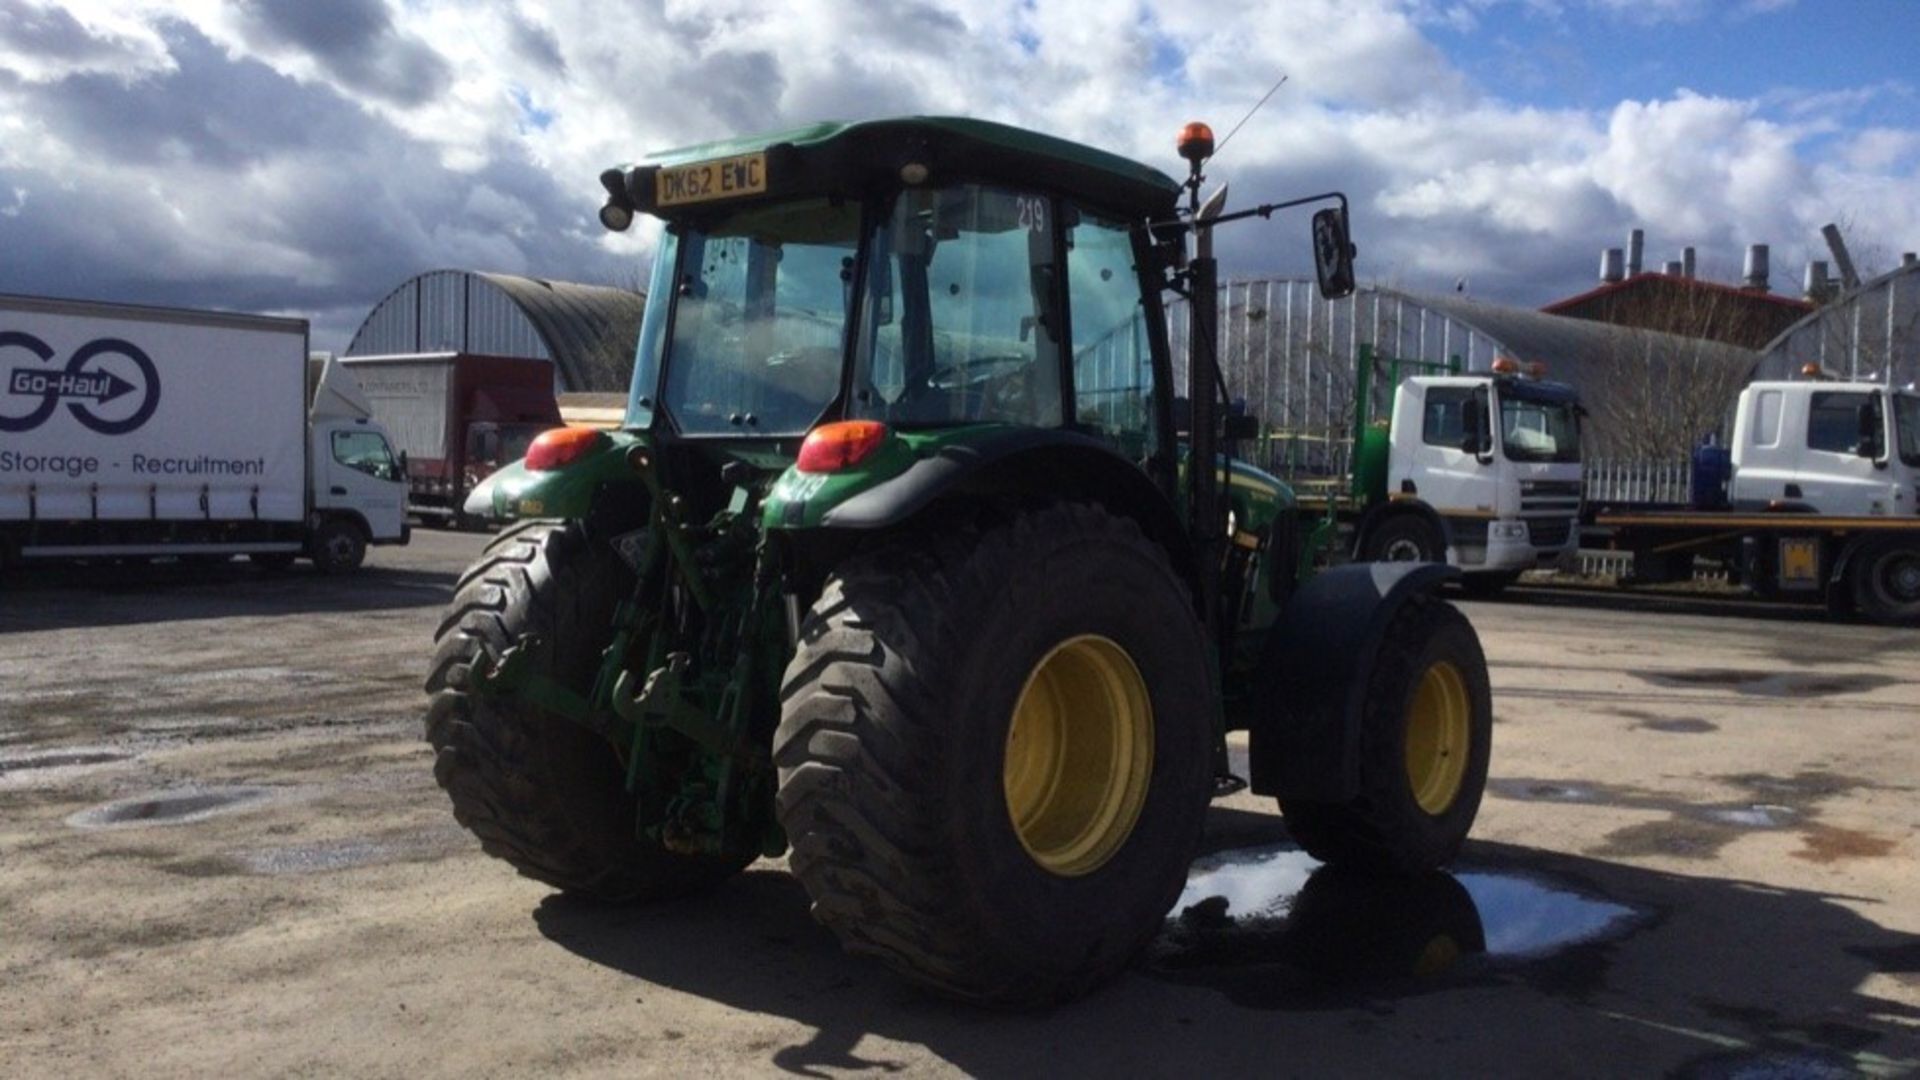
1269 960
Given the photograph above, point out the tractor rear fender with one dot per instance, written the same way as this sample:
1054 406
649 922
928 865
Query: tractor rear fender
1313 679
1022 464
1382 512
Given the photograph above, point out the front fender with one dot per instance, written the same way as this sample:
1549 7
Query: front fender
1305 739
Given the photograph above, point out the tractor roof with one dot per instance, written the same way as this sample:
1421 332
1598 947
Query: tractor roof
853 158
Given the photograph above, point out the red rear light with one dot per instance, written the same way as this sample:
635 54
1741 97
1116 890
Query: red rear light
561 446
840 445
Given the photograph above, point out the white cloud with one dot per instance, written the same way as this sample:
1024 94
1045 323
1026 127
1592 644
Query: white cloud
240 153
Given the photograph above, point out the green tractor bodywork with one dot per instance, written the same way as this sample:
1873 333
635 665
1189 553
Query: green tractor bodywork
878 349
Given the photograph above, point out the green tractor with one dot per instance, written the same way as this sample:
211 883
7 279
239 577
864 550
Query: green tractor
902 565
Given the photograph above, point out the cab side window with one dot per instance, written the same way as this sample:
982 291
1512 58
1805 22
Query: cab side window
1833 421
1112 361
1444 417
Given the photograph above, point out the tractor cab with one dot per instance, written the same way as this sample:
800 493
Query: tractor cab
914 274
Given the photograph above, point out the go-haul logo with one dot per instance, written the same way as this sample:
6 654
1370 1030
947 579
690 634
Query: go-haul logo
108 384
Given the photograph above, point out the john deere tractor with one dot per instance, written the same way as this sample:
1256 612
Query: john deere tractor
909 563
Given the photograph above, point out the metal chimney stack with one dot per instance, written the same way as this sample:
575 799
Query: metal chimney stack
1909 259
1756 276
1611 261
1687 262
1636 247
1815 286
1673 268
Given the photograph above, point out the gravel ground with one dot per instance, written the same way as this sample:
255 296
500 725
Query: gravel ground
222 853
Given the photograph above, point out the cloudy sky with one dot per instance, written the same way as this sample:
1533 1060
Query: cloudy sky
306 156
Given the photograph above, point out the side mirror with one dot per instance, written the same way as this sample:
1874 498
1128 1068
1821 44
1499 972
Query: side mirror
1241 427
1333 253
402 466
1473 417
1868 419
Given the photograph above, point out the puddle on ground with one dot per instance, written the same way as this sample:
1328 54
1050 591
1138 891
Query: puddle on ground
1678 727
1789 684
1546 791
58 759
171 807
1699 830
1272 926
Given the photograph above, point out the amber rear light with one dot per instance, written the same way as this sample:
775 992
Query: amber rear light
560 447
840 445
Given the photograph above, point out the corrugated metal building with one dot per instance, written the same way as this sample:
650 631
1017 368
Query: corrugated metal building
1291 357
1871 332
587 332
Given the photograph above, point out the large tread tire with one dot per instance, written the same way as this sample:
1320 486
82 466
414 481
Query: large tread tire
1383 829
541 792
892 748
1884 579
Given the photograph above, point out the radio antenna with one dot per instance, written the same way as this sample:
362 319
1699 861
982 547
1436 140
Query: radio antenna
1249 116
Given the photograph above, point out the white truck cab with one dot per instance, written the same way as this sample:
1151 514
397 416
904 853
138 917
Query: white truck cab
1841 449
1496 457
355 475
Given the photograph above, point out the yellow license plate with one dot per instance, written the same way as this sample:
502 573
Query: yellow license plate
702 181
1799 561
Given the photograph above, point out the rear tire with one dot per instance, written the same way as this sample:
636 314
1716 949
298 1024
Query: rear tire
1425 739
541 792
940 818
1404 538
1885 581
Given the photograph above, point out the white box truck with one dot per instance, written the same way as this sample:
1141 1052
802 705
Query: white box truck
136 431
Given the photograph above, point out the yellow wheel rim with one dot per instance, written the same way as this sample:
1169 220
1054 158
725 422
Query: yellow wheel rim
1079 755
1439 737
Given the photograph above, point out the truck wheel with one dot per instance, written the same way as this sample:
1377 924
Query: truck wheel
1885 580
337 547
1426 730
541 792
993 753
1404 539
1491 584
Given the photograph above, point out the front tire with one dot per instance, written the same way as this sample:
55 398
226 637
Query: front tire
337 547
541 792
993 753
1404 538
1425 741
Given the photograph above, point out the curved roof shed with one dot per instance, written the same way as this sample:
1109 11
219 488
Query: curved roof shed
1869 333
1291 355
588 332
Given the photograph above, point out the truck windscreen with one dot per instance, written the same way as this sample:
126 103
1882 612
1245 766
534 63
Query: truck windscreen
1538 429
1906 420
